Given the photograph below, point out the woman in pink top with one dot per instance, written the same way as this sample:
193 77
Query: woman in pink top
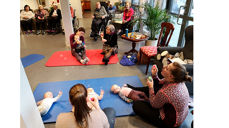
127 15
168 97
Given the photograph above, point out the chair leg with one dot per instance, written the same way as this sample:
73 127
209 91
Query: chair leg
140 59
147 65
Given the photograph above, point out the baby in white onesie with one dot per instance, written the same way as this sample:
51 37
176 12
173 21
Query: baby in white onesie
45 104
91 94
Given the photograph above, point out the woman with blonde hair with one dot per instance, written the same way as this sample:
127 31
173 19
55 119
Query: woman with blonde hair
41 18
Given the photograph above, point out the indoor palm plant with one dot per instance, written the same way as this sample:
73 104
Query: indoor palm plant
153 19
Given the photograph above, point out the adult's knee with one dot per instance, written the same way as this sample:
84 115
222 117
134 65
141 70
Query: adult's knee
137 106
110 113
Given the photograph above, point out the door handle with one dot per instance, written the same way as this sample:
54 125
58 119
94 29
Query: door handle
178 15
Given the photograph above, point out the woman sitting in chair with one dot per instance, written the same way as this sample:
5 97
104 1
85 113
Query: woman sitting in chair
41 18
110 46
127 15
27 19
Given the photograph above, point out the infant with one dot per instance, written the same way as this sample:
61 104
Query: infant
45 104
123 92
92 95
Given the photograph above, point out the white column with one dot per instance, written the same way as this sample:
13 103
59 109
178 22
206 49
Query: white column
67 20
28 108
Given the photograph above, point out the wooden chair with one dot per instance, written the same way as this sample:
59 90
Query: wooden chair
151 51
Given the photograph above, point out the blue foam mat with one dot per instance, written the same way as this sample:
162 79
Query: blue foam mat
30 59
109 99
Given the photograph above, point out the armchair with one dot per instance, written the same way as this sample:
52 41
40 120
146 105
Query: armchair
188 54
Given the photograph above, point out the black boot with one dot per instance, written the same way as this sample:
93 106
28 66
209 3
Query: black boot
105 60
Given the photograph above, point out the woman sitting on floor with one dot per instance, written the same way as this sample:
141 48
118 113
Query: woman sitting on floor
78 46
110 45
168 97
83 116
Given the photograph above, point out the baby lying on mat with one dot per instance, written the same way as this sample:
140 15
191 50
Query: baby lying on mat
45 104
92 95
123 92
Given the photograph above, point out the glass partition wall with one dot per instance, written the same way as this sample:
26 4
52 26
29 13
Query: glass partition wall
182 16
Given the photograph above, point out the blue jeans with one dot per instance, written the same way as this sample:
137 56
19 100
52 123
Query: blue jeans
110 113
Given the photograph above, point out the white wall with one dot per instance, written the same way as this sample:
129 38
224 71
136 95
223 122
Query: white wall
32 3
28 109
76 4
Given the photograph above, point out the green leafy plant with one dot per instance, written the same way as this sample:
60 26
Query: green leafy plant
154 18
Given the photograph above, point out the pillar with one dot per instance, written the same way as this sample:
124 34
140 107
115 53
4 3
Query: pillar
67 20
29 114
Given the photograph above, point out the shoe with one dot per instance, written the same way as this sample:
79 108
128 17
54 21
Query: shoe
52 31
43 32
82 61
38 32
91 35
95 38
106 62
102 53
30 31
86 60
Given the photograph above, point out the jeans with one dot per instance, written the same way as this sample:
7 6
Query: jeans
110 113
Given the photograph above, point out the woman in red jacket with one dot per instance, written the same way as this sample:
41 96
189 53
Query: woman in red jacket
127 15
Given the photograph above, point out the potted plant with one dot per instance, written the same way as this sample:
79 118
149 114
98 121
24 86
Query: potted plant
154 17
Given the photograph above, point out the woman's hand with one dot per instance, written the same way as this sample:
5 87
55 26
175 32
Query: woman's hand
94 102
154 70
150 83
102 35
104 40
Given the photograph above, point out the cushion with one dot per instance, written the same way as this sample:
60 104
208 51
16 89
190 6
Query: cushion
149 50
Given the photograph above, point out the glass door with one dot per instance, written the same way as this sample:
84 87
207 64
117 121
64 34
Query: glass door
182 11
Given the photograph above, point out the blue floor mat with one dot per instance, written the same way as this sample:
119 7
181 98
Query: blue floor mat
30 59
109 99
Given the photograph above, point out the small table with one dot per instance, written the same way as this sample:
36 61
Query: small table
134 41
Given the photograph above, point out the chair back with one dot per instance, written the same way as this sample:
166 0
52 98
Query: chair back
188 48
169 28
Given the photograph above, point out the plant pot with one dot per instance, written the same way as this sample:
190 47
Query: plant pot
151 42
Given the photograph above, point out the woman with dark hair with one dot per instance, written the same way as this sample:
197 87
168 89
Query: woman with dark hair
41 18
26 19
82 116
78 46
168 97
110 45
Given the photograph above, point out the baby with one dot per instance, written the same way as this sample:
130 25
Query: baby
91 94
45 104
123 92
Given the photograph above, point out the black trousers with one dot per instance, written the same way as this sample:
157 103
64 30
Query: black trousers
26 24
144 108
53 23
96 24
124 26
40 24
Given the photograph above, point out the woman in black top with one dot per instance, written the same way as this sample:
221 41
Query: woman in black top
110 45
54 19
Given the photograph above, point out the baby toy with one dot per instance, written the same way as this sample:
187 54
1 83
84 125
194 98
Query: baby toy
178 57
